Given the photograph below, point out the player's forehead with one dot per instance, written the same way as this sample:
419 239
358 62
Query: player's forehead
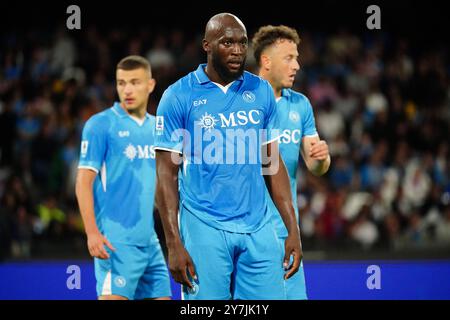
139 73
232 32
285 43
284 46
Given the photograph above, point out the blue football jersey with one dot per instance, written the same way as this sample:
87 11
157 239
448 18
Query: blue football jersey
220 132
121 150
297 121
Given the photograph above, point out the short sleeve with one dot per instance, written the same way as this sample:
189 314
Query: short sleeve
272 121
308 121
94 143
169 123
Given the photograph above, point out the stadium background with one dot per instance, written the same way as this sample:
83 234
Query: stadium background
381 100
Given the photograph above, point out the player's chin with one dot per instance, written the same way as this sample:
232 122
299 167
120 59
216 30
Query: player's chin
235 70
288 83
234 73
130 105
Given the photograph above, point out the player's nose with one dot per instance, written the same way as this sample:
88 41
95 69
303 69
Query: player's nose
237 49
128 89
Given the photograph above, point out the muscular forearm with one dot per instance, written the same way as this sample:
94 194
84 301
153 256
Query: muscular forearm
168 198
168 208
85 199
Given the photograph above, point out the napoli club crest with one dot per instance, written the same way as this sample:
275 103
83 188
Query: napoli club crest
294 116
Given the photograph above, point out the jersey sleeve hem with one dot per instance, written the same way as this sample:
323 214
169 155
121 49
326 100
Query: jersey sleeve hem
311 135
88 167
168 149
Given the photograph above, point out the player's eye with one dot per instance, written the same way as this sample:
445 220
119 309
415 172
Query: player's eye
289 58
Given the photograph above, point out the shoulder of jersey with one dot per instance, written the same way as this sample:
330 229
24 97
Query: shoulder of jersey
253 81
186 81
297 97
102 118
181 85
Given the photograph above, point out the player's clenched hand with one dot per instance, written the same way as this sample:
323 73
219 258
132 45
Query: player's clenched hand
293 248
179 263
319 150
96 245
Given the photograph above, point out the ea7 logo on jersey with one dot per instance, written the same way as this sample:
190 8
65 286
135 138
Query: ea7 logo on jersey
199 102
84 148
141 152
124 134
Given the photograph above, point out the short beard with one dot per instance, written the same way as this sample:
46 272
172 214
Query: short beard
224 73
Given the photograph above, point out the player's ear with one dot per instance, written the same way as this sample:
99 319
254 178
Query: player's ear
151 85
265 62
205 45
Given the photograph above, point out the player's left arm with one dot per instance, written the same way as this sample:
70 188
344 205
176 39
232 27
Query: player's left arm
277 182
316 155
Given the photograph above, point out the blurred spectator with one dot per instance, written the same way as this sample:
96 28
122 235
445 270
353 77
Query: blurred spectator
63 53
51 218
362 230
22 234
373 171
159 56
416 184
330 123
341 174
443 227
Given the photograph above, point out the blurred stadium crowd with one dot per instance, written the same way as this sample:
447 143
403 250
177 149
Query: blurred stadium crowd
382 105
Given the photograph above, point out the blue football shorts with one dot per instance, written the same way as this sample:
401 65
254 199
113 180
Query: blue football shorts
133 272
239 266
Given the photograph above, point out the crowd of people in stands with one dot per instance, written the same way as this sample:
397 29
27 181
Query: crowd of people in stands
382 105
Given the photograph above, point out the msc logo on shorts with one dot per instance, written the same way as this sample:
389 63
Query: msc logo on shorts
120 281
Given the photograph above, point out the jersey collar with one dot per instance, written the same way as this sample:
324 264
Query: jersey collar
202 77
118 110
286 93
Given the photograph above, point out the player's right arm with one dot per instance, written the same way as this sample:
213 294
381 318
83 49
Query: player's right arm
169 148
83 189
179 259
92 155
